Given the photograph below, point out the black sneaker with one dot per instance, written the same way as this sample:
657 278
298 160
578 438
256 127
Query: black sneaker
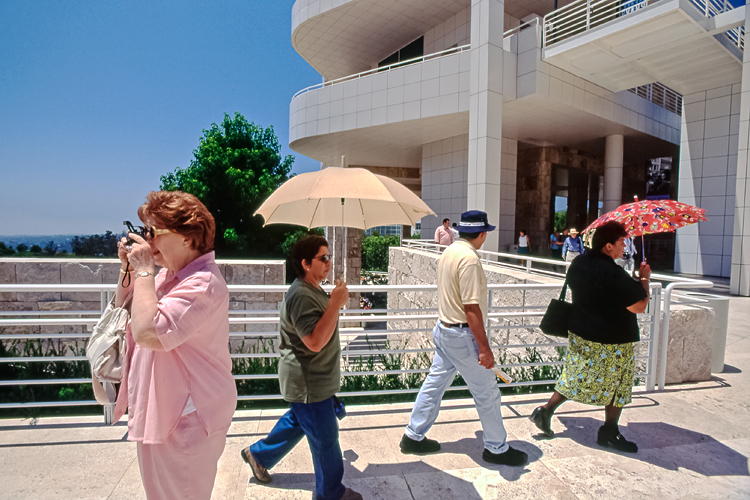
541 418
511 457
411 446
610 438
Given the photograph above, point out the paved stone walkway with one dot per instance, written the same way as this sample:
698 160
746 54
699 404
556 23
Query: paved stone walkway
694 443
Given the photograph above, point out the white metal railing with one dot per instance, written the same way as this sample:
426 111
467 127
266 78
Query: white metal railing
676 283
660 95
400 64
583 15
398 322
390 67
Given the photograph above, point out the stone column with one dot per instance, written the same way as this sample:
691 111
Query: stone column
485 115
614 149
740 276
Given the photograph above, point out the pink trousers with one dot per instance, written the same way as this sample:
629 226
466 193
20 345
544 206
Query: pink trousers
184 466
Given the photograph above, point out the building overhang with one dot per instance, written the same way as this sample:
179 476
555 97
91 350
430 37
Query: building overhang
670 42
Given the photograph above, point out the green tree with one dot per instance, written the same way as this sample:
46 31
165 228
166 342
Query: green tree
21 247
561 221
375 252
6 250
236 166
35 249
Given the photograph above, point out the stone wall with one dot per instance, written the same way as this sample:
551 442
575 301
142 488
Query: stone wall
102 271
691 328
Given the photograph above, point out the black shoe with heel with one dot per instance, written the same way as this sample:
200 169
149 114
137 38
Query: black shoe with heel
610 437
542 419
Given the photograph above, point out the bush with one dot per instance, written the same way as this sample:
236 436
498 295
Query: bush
375 252
35 249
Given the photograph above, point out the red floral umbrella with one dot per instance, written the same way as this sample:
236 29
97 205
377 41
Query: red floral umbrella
650 216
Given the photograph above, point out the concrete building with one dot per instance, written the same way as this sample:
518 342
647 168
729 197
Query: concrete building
506 106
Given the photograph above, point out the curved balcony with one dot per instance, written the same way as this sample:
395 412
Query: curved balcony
343 37
370 116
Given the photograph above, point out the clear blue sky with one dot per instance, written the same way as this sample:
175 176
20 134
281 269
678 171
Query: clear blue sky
98 99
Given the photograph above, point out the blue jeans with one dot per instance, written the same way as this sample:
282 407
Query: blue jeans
318 422
456 349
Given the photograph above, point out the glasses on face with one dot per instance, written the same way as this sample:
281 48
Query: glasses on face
325 259
145 232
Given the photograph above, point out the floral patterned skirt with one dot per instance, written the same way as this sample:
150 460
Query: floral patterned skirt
597 374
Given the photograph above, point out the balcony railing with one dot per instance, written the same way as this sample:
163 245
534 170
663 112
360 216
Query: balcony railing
390 67
661 96
401 64
583 15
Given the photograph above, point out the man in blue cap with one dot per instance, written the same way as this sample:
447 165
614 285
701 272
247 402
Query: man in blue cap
461 345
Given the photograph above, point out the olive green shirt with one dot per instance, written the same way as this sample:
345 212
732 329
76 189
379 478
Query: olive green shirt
306 376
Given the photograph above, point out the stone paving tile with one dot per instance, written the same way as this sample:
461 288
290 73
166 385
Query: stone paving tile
534 481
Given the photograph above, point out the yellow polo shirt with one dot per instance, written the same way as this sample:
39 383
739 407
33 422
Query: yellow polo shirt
460 280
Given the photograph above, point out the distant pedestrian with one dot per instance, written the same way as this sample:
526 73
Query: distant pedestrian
573 246
462 346
443 234
627 261
603 329
523 242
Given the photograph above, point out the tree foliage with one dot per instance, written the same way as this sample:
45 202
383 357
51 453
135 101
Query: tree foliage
561 221
236 166
96 245
375 251
6 250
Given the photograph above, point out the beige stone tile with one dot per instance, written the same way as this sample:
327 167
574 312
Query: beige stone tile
533 481
63 471
130 486
232 474
371 488
619 476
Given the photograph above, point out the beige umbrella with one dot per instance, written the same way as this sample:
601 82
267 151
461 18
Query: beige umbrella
346 197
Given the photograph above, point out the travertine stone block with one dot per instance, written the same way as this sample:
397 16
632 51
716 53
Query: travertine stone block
37 273
691 332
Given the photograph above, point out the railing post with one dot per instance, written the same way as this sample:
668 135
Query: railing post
653 344
588 14
488 324
528 266
109 413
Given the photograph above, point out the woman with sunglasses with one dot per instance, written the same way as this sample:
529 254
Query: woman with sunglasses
177 382
309 374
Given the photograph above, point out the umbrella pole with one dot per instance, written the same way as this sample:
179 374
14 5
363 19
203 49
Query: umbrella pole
643 247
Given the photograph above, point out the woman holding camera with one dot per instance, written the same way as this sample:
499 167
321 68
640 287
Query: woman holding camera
603 329
177 382
309 374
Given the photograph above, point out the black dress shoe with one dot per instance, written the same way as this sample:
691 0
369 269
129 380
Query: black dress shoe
511 457
542 418
411 446
611 438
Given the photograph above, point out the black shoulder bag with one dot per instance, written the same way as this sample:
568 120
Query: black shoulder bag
555 320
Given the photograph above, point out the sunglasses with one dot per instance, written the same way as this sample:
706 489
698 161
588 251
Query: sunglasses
144 232
325 259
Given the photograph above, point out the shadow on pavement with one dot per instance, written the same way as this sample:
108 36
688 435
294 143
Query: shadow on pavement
664 445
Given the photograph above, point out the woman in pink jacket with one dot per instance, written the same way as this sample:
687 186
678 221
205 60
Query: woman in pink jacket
177 384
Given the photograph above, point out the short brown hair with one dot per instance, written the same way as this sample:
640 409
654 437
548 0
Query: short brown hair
184 214
609 232
306 249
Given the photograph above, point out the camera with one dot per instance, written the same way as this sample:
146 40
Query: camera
144 232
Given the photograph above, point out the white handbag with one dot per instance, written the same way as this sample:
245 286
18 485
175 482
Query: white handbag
106 350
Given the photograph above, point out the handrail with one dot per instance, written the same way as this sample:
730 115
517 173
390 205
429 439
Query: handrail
434 55
661 95
583 15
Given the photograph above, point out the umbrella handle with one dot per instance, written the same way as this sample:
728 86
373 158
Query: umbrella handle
643 247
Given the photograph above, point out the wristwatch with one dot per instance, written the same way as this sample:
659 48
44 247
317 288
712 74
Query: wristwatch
143 274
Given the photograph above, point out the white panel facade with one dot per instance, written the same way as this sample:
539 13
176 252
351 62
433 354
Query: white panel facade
707 174
740 274
444 166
